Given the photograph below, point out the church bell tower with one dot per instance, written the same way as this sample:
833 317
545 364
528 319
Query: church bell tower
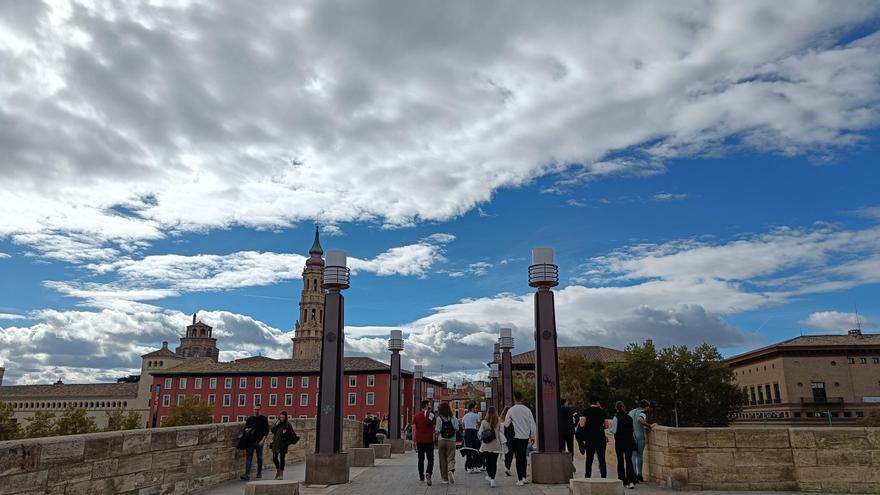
309 331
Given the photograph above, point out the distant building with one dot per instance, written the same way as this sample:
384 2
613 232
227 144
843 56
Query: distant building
461 396
810 379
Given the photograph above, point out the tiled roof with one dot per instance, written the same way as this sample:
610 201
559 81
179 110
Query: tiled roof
267 365
591 352
813 343
164 352
97 390
834 340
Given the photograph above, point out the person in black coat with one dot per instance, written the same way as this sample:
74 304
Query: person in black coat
591 434
568 419
253 437
624 444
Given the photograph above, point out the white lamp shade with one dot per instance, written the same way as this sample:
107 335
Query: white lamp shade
540 256
336 258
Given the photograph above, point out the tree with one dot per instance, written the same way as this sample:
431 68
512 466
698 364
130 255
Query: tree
527 389
191 412
9 429
119 419
41 424
74 421
580 378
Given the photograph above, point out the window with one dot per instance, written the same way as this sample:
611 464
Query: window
212 383
288 399
352 381
273 400
227 383
352 417
168 384
352 398
778 397
242 382
180 399
166 400
273 382
197 384
182 383
754 398
863 360
303 399
371 380
258 400
224 419
370 398
797 414
851 360
304 382
819 394
242 400
860 414
876 360
227 400
211 399
258 382
240 418
767 390
289 383
197 398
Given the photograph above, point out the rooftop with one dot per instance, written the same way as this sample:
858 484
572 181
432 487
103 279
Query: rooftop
852 340
62 390
591 352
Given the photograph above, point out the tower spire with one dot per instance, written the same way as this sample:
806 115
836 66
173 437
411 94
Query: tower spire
316 246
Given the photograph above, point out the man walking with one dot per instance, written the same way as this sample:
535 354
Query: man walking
423 438
256 429
568 418
639 417
471 422
591 431
524 432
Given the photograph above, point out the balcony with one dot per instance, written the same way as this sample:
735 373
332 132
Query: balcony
819 401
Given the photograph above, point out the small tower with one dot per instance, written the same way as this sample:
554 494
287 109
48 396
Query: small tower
198 342
309 330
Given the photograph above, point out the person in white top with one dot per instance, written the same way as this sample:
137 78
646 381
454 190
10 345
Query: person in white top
524 432
492 443
471 422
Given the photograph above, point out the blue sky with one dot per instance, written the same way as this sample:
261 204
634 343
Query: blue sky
698 183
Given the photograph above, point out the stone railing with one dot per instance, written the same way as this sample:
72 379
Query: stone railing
785 459
159 460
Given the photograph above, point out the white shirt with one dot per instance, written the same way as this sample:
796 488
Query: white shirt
471 421
523 422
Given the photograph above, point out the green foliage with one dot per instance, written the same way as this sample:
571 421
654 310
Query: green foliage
9 429
74 421
580 378
191 412
871 419
527 389
41 424
119 419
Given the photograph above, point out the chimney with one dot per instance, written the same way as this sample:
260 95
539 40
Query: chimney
855 332
2 370
165 344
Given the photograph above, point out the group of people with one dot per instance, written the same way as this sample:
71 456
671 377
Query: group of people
484 440
253 439
373 427
589 429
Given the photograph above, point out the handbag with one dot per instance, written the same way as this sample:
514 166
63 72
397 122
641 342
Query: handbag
291 437
488 435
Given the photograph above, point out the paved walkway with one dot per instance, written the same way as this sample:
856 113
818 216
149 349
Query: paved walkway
398 476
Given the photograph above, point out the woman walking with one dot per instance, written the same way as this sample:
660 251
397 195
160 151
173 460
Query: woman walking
508 436
446 431
283 437
492 443
624 444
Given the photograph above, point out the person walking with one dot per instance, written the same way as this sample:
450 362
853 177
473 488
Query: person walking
423 440
591 431
639 417
508 445
624 444
446 429
524 432
253 437
283 437
568 419
471 422
491 444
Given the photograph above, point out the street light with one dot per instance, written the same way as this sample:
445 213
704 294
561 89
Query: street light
505 342
418 374
543 275
395 345
492 393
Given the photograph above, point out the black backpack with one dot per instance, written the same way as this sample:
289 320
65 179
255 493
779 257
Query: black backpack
447 429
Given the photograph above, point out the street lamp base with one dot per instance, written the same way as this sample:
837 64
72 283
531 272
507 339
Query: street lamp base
398 445
326 469
551 468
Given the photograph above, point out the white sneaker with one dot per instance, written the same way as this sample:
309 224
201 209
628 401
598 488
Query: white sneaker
451 477
492 483
487 478
444 482
631 486
520 483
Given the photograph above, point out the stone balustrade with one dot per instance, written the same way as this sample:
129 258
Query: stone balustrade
159 460
811 459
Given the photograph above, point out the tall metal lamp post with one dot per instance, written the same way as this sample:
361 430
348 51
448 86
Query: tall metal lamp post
543 275
418 374
492 394
329 465
505 342
395 345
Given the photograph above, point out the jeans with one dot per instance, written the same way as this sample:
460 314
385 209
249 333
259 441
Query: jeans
491 461
637 455
520 450
278 460
472 440
446 452
249 460
624 451
596 448
425 450
508 457
566 442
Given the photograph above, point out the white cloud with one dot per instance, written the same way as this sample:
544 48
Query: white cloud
836 321
128 122
4 256
665 196
11 316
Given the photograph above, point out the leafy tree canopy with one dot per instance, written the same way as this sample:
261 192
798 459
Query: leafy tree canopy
190 412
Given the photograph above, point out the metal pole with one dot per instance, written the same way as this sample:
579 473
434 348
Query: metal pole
543 274
506 344
395 345
329 423
417 385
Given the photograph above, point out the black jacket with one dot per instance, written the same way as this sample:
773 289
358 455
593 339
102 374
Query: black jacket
256 428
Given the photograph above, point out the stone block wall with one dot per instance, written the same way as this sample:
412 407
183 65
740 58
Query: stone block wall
785 459
153 461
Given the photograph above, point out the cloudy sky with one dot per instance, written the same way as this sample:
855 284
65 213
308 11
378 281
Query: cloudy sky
706 171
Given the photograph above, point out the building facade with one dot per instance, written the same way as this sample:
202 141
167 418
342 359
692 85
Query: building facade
815 379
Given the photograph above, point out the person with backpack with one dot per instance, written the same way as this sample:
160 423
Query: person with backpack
492 443
446 430
624 444
283 437
524 432
252 439
423 438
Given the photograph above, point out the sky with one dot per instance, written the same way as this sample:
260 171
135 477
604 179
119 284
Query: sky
705 171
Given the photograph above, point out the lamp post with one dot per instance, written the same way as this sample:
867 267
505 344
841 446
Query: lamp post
492 393
417 385
543 275
505 342
395 345
329 465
